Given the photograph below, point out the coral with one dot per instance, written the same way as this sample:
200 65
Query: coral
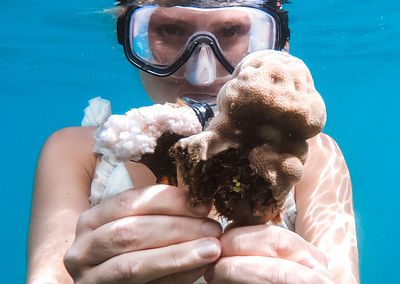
145 135
253 151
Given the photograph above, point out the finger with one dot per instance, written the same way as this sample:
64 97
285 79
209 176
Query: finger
185 277
272 241
153 200
147 265
257 269
138 233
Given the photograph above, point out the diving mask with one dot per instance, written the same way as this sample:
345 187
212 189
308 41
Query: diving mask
209 42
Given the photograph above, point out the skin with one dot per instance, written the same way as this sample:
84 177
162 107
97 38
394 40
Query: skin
150 234
120 238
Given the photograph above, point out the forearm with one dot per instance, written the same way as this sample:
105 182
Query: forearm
325 215
334 234
45 258
52 231
60 195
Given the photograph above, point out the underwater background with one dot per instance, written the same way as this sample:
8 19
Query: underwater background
56 55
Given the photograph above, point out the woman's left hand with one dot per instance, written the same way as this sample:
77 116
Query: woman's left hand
268 254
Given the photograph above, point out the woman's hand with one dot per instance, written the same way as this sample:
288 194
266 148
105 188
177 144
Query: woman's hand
267 254
144 235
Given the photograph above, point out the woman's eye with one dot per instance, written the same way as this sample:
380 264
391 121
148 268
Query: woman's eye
171 30
230 31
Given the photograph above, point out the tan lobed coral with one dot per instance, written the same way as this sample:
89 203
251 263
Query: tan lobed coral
253 152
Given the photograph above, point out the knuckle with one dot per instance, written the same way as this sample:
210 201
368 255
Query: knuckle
175 259
283 275
72 260
230 236
230 268
83 221
279 243
128 271
126 234
321 257
125 200
183 225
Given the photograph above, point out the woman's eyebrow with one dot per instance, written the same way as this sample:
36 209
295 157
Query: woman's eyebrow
163 15
164 19
186 16
229 18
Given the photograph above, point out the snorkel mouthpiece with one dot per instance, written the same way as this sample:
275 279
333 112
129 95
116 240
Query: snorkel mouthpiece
200 68
203 111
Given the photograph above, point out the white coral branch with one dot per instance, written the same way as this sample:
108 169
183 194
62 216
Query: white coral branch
130 136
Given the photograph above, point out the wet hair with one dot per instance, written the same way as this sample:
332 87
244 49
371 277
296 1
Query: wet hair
204 3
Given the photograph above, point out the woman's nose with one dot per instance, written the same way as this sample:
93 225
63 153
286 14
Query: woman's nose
200 69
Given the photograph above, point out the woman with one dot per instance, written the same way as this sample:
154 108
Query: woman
149 233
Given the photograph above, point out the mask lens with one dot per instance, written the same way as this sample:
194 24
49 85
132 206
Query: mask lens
242 30
160 35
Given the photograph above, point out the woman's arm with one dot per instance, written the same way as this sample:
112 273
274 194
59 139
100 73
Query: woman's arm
62 185
324 250
140 235
325 214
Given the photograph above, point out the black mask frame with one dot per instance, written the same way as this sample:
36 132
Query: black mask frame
282 37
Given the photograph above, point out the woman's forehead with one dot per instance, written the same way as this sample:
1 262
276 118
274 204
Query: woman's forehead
192 14
197 3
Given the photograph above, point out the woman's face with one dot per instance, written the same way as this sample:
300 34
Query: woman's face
168 31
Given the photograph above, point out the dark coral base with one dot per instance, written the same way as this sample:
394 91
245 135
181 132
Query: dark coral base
229 182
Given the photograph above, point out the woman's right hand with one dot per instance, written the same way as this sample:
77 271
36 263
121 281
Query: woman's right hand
144 235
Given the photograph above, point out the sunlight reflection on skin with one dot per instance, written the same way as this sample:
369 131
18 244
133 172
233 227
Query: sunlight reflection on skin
50 252
325 214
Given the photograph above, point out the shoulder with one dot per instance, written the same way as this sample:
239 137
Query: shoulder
322 142
325 162
322 149
72 140
71 135
70 146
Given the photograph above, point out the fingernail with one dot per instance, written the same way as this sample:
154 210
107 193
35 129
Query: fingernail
209 275
211 229
208 249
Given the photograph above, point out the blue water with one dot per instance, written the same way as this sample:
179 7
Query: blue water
54 56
